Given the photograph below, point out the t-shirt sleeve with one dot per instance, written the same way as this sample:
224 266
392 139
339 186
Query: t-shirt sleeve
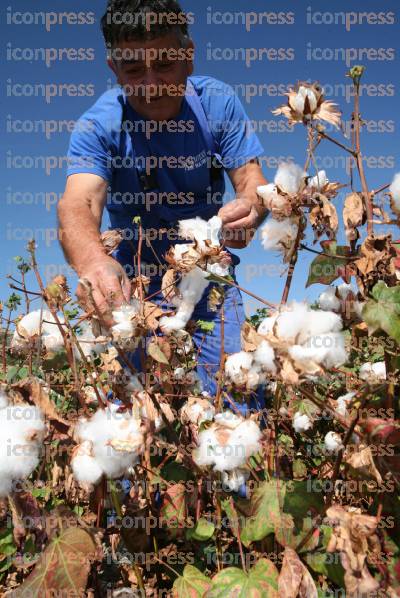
89 150
233 129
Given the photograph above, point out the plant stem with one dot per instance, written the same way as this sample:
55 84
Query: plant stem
360 166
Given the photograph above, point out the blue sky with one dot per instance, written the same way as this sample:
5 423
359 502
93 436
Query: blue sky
318 55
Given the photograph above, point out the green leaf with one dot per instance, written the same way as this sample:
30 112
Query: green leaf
63 568
192 584
382 312
260 582
283 508
205 326
202 531
326 268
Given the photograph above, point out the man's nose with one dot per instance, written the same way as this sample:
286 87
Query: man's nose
151 81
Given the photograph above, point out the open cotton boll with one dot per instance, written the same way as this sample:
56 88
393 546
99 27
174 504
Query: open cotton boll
204 454
301 423
270 196
35 323
300 99
278 235
328 301
289 177
85 468
395 191
267 324
235 479
291 322
191 288
21 442
325 349
318 181
237 367
200 230
371 372
264 355
333 442
345 289
343 402
116 439
320 322
197 411
218 269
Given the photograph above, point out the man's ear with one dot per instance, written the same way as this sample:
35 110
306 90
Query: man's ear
112 66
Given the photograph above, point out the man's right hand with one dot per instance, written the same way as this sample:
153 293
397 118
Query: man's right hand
110 287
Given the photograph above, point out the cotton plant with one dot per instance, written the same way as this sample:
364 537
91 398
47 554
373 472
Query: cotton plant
333 443
196 411
226 445
21 444
301 422
110 442
250 369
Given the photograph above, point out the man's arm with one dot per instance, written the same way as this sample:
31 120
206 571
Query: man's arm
80 212
242 216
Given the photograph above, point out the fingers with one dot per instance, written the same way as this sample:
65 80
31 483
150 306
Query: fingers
111 289
235 210
126 288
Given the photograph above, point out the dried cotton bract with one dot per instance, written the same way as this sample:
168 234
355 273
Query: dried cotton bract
110 443
23 431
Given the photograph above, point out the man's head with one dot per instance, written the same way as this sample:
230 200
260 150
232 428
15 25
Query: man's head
151 53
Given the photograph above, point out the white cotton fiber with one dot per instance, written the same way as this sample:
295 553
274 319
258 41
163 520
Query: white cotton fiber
125 326
234 479
237 367
289 177
23 431
301 423
266 325
328 301
333 443
265 356
300 99
343 403
200 230
35 323
115 437
277 235
318 181
228 443
191 289
371 372
88 343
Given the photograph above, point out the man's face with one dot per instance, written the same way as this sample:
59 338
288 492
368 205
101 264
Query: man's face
154 74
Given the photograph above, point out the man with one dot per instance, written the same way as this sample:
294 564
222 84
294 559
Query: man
156 147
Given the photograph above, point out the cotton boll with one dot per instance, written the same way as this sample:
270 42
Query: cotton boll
300 99
191 288
289 177
85 468
180 249
88 342
328 301
237 367
218 269
4 401
204 455
200 230
301 423
320 322
342 403
344 290
395 191
264 356
325 349
35 323
372 372
278 235
319 181
235 479
271 198
197 411
228 419
242 442
267 324
333 443
290 323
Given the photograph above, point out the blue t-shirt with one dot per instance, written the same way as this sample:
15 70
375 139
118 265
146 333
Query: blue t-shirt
111 139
